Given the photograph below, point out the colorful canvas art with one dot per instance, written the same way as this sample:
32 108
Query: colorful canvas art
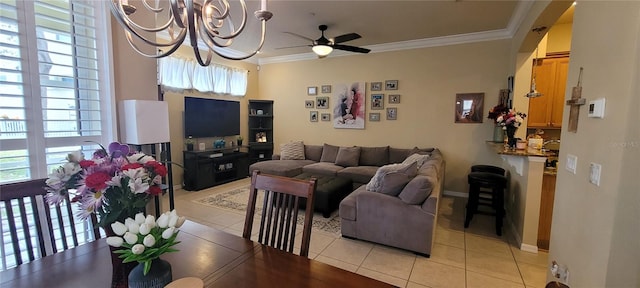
349 105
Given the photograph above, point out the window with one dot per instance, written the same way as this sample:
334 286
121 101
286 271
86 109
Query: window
55 93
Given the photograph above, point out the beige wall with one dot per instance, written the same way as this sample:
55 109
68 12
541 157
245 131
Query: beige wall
595 229
428 82
559 37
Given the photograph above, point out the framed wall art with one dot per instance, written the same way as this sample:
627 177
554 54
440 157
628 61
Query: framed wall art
308 103
392 113
391 85
313 116
374 117
469 107
325 116
376 86
377 101
349 105
322 102
313 90
394 99
326 89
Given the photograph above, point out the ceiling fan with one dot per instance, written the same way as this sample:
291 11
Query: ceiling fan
323 46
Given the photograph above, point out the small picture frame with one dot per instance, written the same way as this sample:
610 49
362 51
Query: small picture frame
376 86
391 85
322 102
325 116
326 89
394 99
313 116
313 90
377 101
392 113
374 117
308 103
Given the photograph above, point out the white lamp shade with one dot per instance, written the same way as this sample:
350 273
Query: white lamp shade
144 122
322 50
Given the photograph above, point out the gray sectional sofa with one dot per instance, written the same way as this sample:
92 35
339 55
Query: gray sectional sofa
402 215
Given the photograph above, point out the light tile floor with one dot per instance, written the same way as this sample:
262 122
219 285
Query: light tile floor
472 258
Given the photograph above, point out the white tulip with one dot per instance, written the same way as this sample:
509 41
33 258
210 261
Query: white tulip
133 227
137 249
163 220
140 218
130 238
115 241
151 220
128 221
180 221
118 228
144 229
149 240
166 234
173 219
173 213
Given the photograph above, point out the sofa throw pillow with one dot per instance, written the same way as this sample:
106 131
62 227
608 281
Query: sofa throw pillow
418 158
394 182
348 156
375 184
374 156
417 190
329 153
292 151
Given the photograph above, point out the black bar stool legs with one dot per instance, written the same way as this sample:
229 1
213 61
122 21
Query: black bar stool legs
486 188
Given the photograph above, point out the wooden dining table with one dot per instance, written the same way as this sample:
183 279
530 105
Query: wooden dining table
218 258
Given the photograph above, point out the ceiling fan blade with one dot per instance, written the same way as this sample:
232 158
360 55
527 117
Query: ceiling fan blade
298 46
351 48
346 37
300 36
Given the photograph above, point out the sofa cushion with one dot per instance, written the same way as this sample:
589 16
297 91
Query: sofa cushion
329 153
394 182
348 156
397 155
359 174
292 151
287 168
377 181
313 152
415 157
374 156
417 190
322 168
423 151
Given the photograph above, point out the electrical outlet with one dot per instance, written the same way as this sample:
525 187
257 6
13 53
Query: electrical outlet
594 173
572 163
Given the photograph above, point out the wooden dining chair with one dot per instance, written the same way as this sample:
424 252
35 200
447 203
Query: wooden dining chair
279 216
34 228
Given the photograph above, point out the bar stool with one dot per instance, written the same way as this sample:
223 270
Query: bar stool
486 188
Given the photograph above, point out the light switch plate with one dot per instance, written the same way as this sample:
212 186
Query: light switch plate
572 163
596 108
594 173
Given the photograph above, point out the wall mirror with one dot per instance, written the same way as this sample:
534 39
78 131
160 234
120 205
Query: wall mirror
469 107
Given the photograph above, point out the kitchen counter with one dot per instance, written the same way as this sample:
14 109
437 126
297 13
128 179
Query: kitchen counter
500 149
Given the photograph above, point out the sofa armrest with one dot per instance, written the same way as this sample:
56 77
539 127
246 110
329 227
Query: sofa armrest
275 157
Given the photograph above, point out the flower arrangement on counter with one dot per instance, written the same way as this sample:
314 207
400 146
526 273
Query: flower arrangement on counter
144 239
497 111
512 118
114 183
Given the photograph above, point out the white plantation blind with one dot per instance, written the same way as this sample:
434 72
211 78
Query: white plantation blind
54 89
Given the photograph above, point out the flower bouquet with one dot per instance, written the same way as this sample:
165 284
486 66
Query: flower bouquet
510 121
144 239
114 183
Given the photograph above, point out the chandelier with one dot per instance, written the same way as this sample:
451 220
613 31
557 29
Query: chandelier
209 21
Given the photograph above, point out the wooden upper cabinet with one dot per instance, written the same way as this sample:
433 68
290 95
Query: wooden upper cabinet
551 81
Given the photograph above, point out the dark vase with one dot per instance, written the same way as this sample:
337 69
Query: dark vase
511 132
239 142
190 147
159 275
120 271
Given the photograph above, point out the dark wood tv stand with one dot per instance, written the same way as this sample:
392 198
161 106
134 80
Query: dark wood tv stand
204 169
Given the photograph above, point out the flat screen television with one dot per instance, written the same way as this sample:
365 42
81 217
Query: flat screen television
211 117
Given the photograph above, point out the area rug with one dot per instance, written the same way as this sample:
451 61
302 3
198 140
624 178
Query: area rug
236 200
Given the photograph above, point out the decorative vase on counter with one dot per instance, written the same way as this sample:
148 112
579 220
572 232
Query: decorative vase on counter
159 275
511 136
498 134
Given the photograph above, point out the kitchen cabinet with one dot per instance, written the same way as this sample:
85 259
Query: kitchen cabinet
546 210
551 80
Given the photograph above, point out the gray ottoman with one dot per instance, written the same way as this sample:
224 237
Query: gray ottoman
329 192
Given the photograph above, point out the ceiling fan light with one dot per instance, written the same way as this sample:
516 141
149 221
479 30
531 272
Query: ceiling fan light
322 50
